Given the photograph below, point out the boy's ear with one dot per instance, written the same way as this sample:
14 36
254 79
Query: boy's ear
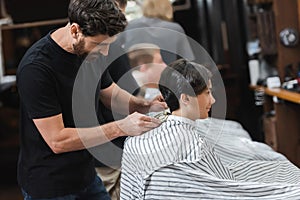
184 98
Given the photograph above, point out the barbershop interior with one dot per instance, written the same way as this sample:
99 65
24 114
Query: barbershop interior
254 45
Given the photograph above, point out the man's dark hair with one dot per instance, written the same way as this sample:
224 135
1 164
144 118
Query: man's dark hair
97 17
182 77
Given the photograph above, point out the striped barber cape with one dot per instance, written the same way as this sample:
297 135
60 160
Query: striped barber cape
175 161
232 143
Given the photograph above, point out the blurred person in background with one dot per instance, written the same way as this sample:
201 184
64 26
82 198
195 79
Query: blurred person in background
147 64
156 26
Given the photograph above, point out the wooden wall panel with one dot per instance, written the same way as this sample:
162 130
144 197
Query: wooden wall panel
288 130
286 16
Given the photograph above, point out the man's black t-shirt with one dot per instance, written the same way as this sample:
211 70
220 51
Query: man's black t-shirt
45 79
120 72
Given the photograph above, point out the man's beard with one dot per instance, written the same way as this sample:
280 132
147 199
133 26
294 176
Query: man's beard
79 49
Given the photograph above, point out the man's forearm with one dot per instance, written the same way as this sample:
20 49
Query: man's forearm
125 103
100 134
72 139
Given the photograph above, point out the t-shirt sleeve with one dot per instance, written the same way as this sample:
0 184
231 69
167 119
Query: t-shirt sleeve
106 80
37 90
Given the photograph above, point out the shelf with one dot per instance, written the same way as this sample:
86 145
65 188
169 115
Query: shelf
251 2
7 29
280 93
34 24
284 94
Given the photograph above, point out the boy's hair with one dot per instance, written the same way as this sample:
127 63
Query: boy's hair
161 9
97 17
182 77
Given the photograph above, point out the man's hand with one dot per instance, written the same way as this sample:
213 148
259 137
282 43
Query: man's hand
157 104
144 106
136 124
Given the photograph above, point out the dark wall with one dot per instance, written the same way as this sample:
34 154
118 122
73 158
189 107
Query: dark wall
35 10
